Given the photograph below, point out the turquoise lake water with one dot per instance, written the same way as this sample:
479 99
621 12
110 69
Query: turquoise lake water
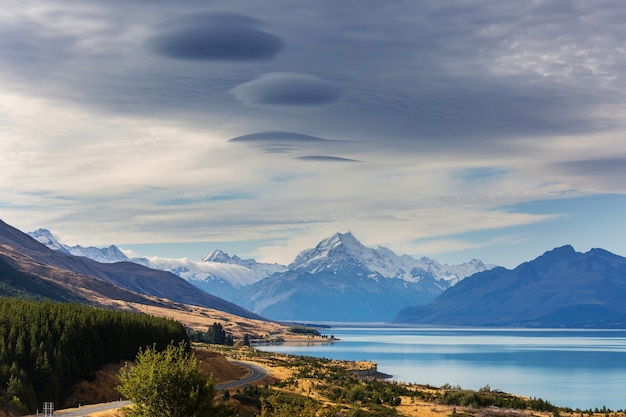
581 369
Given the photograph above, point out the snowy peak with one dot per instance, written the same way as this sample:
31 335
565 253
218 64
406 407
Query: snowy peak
217 255
343 252
44 237
110 254
257 269
348 240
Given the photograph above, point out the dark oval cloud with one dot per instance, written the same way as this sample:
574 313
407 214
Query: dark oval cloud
285 142
215 36
278 137
288 88
326 158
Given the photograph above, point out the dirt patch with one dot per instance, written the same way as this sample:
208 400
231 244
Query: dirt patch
215 364
101 389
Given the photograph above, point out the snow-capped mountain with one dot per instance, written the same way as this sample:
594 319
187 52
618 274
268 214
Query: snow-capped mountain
235 271
342 251
343 280
259 269
216 272
109 254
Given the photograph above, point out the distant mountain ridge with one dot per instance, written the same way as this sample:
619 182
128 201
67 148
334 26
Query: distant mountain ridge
365 284
216 272
561 288
109 254
342 280
121 280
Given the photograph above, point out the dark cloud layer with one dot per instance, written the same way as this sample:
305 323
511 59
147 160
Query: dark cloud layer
215 36
405 78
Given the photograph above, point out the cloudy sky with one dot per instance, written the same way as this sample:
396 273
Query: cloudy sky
455 130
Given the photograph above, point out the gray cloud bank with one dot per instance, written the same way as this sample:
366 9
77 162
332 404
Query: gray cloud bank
423 75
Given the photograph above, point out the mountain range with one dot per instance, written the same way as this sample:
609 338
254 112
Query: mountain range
83 278
561 288
338 280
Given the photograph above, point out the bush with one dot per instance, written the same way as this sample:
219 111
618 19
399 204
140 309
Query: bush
167 383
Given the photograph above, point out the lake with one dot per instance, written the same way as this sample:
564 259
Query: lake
581 369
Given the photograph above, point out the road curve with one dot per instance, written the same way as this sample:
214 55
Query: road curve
257 372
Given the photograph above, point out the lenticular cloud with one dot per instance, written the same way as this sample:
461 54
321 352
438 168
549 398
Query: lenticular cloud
215 36
288 88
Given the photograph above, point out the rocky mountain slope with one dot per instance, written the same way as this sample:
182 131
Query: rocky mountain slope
561 288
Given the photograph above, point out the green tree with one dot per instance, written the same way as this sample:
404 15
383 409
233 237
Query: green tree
167 383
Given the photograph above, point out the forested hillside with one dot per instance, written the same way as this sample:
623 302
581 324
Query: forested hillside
47 347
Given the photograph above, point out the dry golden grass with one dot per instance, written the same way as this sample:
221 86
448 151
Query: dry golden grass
215 364
116 413
200 318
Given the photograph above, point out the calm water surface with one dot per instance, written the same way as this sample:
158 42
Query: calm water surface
574 368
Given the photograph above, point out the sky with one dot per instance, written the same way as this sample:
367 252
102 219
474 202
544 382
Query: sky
455 130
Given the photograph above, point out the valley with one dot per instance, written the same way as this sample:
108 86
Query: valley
338 280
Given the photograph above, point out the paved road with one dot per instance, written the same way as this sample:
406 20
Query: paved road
89 409
256 373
